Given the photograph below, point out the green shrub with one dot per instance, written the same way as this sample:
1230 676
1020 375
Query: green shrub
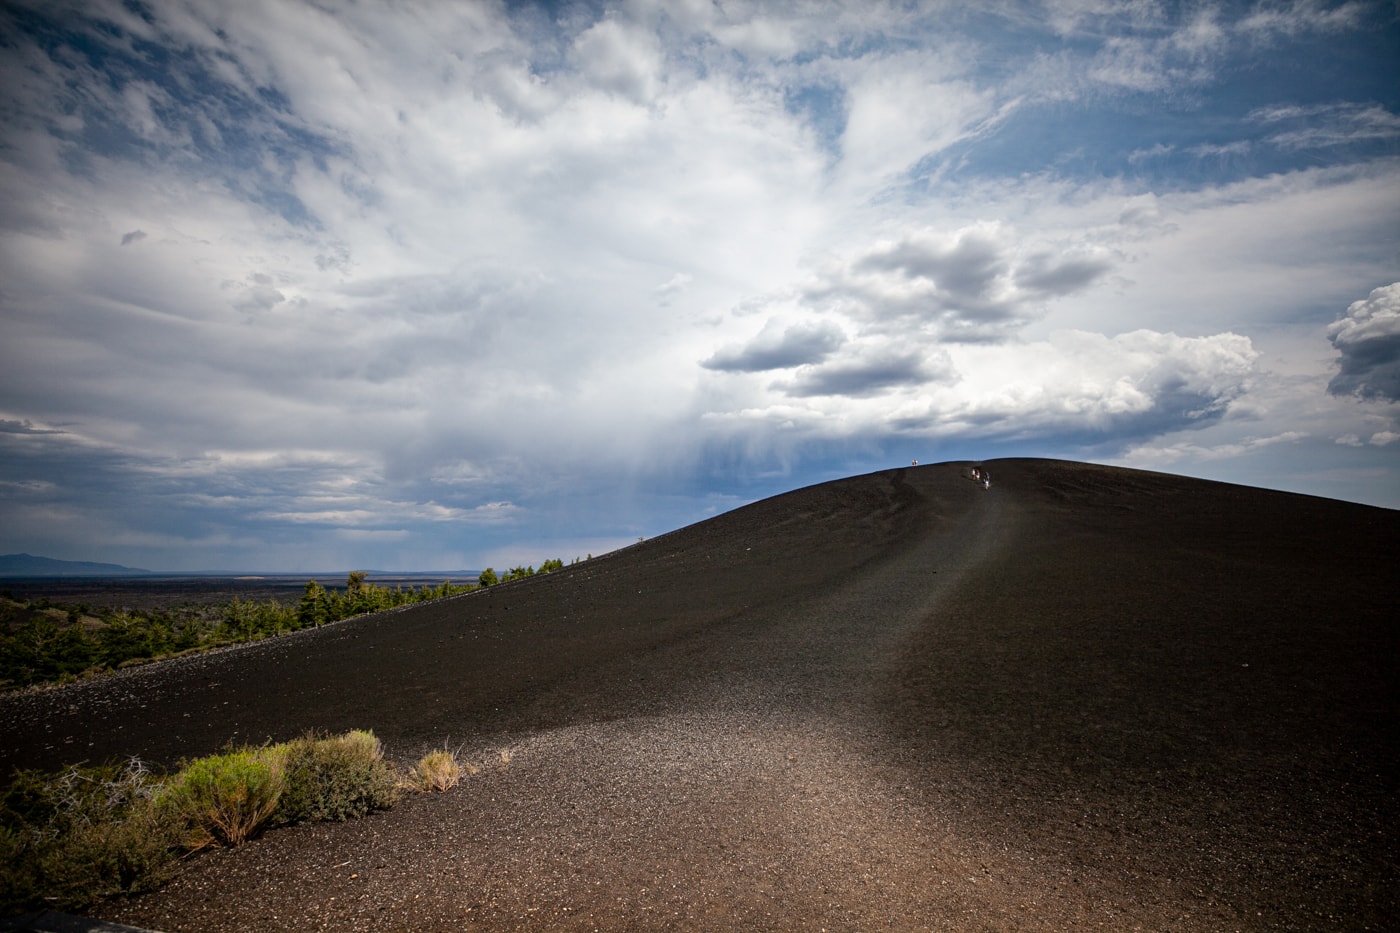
69 837
336 778
227 798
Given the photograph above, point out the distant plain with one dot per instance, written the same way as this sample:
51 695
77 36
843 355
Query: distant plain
155 591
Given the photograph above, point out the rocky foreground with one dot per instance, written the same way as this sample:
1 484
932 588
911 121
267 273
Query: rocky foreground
1085 698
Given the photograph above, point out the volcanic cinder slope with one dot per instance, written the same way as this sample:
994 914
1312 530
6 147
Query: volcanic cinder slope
1087 697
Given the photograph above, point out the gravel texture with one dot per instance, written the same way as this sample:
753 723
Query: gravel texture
1085 698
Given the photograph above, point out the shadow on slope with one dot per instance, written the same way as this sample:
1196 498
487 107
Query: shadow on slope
1157 664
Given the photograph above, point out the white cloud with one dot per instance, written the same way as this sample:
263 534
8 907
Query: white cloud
903 109
1202 35
667 291
620 58
1368 341
1290 18
1141 382
1234 252
1137 384
1155 456
1319 126
336 511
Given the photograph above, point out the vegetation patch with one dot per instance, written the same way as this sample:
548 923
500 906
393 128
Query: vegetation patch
84 832
47 643
227 798
335 778
437 771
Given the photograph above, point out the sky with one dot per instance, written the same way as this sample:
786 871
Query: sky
303 286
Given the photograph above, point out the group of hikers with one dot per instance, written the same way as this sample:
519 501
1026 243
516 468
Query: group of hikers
979 475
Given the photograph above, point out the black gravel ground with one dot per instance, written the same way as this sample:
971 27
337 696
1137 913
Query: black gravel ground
1085 698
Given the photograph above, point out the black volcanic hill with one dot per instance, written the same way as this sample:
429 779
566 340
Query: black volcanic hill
1086 696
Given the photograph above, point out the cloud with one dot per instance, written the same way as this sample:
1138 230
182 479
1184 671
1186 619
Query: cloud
134 236
667 291
797 345
870 373
1298 16
1136 384
356 511
976 284
1368 341
1094 388
1120 49
904 109
1162 456
1337 124
258 294
620 58
24 426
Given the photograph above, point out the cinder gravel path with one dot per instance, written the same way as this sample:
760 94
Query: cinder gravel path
1087 698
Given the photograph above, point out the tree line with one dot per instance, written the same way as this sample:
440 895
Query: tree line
43 642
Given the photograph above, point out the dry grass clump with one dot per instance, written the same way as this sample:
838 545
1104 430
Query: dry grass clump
436 771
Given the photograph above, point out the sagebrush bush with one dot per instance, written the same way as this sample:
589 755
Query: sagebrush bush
82 833
437 770
338 777
227 798
70 837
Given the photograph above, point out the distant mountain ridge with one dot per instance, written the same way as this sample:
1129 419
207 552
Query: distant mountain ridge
28 565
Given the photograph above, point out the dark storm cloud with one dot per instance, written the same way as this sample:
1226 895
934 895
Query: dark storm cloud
954 283
1044 276
975 285
963 272
863 377
1368 341
795 346
9 426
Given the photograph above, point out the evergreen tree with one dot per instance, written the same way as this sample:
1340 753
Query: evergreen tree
314 606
